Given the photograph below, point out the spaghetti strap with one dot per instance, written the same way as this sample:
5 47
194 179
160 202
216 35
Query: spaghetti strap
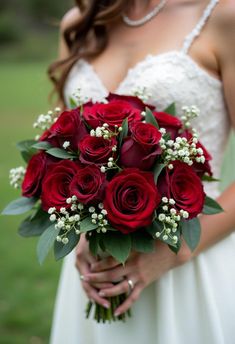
198 28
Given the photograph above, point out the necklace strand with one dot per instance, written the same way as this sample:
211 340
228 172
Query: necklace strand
146 18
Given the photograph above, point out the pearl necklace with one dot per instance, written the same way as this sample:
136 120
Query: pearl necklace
146 18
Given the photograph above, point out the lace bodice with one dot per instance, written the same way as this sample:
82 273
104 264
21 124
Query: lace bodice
170 77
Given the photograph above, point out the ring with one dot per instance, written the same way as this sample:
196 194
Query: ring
81 277
130 285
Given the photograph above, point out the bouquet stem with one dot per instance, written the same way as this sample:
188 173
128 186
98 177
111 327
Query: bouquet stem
102 314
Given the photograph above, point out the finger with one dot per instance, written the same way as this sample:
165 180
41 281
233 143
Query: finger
102 285
113 275
104 264
93 295
117 289
129 301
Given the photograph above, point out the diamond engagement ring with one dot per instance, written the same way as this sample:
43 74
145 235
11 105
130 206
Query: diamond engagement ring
130 285
81 277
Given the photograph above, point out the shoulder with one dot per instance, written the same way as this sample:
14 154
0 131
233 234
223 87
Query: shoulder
224 18
71 17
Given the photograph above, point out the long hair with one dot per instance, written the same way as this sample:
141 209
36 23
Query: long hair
87 37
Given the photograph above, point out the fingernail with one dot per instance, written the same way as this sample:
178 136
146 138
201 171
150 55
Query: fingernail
106 305
116 313
101 293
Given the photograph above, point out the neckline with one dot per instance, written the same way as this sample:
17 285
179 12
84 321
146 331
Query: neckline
148 59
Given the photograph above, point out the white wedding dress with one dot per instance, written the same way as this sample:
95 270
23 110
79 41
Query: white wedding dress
194 303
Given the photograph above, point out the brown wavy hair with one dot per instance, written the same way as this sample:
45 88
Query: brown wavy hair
87 37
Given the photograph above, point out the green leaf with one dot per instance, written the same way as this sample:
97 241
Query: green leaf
94 243
42 145
36 225
117 245
142 242
72 103
207 178
61 250
25 147
191 231
61 153
149 118
19 206
46 241
211 207
171 109
124 131
86 225
156 226
157 171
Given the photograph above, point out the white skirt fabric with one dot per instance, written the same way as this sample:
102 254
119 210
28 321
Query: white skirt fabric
194 303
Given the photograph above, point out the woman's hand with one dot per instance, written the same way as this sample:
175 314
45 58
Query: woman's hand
84 260
141 268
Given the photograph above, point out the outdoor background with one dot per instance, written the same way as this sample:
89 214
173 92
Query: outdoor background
28 43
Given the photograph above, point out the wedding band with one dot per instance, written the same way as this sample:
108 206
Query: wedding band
81 277
130 284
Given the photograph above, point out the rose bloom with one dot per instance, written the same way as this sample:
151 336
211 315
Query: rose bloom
36 169
96 150
112 113
136 102
68 127
142 147
130 200
183 185
88 184
171 123
56 184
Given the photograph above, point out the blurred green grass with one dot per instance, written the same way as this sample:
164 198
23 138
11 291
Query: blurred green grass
27 290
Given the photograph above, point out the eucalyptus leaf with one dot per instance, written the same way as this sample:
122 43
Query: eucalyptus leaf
211 207
61 250
149 118
207 178
171 109
26 150
19 206
118 245
86 225
42 145
191 231
124 131
36 225
157 171
94 243
61 153
142 242
46 241
72 103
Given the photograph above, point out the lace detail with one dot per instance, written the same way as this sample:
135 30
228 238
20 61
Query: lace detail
198 28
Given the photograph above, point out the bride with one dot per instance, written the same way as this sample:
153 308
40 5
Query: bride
181 51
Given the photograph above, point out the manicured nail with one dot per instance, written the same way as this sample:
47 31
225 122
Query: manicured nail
116 313
106 305
101 293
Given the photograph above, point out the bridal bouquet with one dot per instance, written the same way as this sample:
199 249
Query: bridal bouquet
119 172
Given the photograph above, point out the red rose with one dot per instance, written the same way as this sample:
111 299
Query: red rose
130 200
184 186
112 113
36 169
96 150
56 184
132 100
200 168
170 123
68 127
88 184
141 149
